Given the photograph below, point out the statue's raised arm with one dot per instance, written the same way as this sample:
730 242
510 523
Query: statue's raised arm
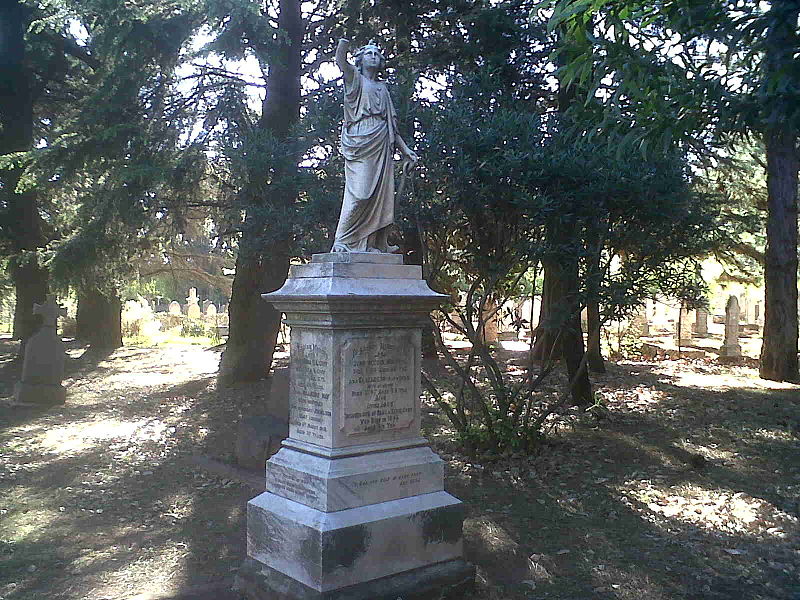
369 140
348 70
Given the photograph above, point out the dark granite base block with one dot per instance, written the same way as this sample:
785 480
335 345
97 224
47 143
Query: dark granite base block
451 580
32 393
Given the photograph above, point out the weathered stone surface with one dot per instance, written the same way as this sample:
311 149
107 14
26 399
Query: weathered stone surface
43 365
356 270
175 308
332 485
358 257
451 580
192 305
372 377
355 496
730 346
700 327
331 550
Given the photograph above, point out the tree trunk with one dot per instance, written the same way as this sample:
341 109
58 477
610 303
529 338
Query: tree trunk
559 334
99 319
254 323
594 355
594 247
31 285
21 214
779 349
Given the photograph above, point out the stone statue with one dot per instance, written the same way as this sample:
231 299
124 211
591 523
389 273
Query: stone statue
369 139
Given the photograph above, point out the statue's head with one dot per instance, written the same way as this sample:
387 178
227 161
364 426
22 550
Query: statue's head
370 55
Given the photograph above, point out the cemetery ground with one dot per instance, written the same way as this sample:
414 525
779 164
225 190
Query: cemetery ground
686 488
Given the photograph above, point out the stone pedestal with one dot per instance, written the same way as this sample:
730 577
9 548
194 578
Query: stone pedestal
355 506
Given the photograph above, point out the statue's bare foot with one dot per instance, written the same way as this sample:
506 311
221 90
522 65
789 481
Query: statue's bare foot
339 247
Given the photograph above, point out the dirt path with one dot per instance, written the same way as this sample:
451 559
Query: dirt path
688 490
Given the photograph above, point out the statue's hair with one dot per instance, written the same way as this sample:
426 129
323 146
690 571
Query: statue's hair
360 52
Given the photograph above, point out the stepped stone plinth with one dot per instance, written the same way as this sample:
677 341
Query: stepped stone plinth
355 506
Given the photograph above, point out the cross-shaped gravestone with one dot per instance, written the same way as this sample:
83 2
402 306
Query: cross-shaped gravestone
50 312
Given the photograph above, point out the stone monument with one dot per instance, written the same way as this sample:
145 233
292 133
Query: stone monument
192 305
700 327
730 346
211 310
175 308
355 507
683 327
43 365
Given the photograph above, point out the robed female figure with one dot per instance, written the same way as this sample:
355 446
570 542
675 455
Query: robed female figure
369 139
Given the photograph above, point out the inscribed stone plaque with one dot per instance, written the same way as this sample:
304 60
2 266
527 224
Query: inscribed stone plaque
378 384
309 396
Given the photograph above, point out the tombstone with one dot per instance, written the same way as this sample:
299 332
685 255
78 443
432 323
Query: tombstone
211 310
759 313
43 365
700 327
730 346
639 325
175 308
684 320
204 305
355 505
192 305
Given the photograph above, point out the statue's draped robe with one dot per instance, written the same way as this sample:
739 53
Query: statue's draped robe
367 145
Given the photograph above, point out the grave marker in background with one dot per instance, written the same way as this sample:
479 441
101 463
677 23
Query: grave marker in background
43 365
192 305
730 346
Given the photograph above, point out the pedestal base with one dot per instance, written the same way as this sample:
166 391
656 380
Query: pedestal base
329 551
32 393
451 580
733 351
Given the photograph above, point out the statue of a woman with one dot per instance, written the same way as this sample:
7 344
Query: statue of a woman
369 139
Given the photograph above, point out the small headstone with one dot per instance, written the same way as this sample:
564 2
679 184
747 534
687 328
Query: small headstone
192 305
43 366
639 325
731 347
211 310
204 305
684 321
175 308
700 327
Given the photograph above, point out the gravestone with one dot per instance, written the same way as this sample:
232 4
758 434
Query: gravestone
43 365
684 321
730 346
211 310
192 305
355 506
639 325
700 327
175 308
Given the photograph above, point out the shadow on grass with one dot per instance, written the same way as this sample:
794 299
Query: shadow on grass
568 525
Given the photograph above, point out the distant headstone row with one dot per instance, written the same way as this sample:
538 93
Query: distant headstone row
193 308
